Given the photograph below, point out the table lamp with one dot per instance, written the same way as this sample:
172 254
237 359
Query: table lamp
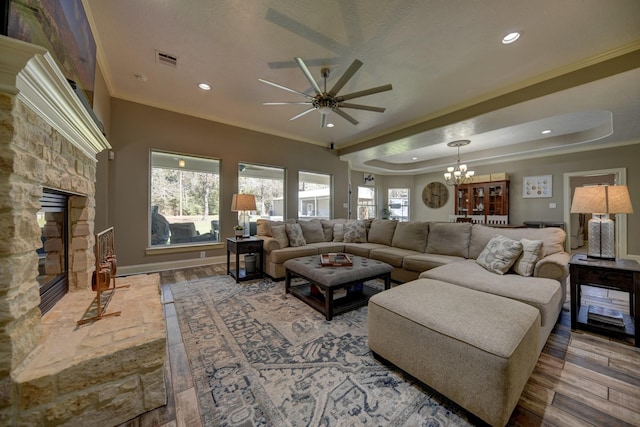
243 203
602 200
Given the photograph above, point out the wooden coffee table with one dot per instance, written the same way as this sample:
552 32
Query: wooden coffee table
331 279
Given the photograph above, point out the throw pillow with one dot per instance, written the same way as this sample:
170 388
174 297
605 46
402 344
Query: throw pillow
532 252
338 232
499 254
312 230
279 233
294 233
355 231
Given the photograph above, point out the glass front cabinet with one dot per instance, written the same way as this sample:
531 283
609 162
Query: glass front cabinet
483 199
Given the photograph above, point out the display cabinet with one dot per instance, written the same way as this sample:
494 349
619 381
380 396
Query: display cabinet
482 199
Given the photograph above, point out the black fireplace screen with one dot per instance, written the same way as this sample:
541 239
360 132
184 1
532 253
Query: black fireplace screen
53 219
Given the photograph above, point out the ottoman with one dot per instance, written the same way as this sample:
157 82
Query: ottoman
475 348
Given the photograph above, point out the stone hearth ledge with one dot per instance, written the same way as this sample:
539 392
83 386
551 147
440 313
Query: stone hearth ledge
100 373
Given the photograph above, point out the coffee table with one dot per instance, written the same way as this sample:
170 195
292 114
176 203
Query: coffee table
331 279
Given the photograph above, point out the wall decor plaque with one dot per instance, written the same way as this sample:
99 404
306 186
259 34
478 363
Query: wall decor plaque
534 187
435 195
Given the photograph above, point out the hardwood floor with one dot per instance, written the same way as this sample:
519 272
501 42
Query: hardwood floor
581 379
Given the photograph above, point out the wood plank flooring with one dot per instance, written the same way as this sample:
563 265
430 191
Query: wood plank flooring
581 379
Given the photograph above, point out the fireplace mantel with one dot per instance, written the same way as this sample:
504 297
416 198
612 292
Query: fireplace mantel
30 72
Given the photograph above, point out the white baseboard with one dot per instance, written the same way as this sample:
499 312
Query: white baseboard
170 265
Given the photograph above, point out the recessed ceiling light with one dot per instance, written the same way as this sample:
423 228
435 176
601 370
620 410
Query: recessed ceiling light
414 158
546 131
140 78
330 125
510 38
204 86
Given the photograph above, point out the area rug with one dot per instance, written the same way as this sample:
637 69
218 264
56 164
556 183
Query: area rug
260 357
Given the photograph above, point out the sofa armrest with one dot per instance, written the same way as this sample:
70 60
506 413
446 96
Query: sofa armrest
269 243
554 266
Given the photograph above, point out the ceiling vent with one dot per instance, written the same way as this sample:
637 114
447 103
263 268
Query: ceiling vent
166 59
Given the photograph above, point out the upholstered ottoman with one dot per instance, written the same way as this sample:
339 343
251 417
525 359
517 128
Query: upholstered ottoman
475 348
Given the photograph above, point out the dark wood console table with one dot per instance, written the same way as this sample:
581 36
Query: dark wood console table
620 275
246 245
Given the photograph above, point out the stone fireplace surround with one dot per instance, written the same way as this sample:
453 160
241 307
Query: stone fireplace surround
47 139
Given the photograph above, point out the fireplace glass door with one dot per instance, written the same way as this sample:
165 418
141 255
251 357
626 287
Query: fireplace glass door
53 255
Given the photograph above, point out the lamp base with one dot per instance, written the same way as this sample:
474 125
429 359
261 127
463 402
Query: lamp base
602 237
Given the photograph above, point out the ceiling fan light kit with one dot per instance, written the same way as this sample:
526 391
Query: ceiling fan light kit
327 102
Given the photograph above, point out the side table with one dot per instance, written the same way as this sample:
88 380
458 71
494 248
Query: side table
620 275
246 245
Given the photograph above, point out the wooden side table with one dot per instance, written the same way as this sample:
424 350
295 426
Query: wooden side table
246 245
620 275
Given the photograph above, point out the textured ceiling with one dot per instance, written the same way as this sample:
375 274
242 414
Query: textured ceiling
451 76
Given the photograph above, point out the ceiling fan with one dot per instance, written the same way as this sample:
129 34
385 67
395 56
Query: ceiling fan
326 102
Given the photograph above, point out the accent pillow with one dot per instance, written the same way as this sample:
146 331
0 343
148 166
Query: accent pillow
312 230
532 252
279 233
499 254
294 233
355 231
338 232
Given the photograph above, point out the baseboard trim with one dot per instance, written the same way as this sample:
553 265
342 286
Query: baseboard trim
170 265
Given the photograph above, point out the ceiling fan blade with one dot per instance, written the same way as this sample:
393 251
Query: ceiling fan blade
361 107
364 92
345 116
285 88
346 76
286 103
302 114
308 75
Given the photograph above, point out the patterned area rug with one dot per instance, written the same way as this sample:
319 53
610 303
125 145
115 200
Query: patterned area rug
262 357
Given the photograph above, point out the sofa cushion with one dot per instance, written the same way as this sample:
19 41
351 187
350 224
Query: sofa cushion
411 235
338 232
544 294
327 227
327 247
424 262
532 252
382 231
281 255
294 233
355 231
312 230
552 237
500 254
362 249
392 256
279 233
449 238
263 226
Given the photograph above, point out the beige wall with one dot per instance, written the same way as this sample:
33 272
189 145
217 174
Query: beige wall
535 209
136 129
102 108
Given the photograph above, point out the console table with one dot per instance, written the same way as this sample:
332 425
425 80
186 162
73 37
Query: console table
620 275
246 245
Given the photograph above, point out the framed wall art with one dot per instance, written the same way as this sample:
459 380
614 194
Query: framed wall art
535 187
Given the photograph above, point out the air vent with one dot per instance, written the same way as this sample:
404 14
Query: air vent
166 59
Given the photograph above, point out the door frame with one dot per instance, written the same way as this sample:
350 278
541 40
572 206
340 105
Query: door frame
621 219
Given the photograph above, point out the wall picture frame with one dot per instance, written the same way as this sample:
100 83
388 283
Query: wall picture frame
537 187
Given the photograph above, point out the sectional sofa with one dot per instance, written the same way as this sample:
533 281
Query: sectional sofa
475 307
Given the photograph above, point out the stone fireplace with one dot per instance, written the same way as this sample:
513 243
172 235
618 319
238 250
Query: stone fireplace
49 141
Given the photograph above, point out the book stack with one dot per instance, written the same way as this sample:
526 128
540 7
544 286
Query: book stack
607 316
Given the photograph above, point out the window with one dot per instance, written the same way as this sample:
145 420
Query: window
185 199
314 195
398 199
366 202
267 185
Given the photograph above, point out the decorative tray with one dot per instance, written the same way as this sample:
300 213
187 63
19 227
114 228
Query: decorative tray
335 260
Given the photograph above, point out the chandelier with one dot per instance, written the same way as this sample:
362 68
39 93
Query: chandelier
458 174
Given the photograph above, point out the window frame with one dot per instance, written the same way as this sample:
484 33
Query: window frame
320 203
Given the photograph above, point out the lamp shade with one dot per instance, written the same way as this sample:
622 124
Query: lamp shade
602 199
243 202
